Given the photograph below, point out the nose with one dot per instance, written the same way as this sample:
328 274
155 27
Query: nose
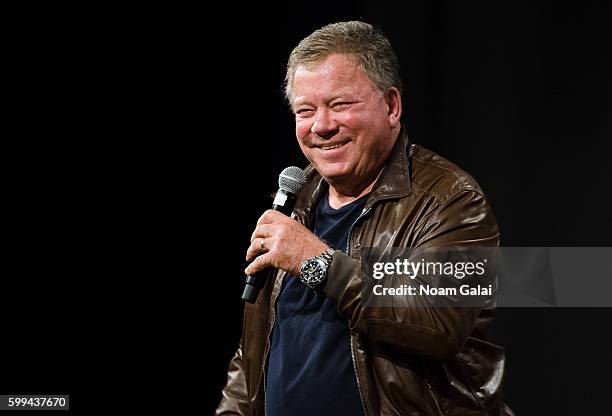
324 126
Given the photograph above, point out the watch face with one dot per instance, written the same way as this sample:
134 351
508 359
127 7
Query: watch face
313 272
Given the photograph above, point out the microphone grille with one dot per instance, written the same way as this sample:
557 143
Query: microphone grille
292 179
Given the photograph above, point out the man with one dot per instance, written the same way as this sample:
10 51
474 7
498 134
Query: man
311 344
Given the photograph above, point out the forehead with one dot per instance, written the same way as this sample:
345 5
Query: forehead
332 75
334 65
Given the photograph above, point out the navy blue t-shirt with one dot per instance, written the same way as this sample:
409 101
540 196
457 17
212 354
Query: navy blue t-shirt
310 369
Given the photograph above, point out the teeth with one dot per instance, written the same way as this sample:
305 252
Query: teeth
330 147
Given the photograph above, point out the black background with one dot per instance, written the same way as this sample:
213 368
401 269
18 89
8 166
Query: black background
144 143
518 94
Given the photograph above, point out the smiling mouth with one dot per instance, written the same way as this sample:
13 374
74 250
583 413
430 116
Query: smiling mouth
332 147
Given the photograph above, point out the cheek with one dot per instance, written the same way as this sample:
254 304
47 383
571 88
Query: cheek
355 121
302 130
302 125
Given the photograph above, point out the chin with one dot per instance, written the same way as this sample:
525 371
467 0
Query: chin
333 173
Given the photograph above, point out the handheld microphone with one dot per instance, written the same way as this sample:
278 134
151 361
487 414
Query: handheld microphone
290 183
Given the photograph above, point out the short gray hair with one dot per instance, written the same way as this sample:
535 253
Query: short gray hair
361 41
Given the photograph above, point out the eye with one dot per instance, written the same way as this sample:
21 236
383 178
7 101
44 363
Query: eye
341 105
303 112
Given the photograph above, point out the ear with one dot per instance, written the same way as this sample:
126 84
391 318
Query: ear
393 100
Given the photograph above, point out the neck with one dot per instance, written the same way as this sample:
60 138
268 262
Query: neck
342 195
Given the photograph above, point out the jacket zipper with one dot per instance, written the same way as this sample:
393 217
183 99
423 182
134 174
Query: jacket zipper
265 363
348 250
361 395
433 397
268 342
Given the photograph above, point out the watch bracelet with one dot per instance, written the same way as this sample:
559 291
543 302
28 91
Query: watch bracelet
327 255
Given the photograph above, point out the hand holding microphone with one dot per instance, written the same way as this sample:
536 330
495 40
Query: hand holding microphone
279 241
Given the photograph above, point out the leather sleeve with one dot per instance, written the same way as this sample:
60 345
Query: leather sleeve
234 400
411 324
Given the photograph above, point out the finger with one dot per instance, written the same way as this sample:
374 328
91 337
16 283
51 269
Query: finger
262 231
258 264
259 246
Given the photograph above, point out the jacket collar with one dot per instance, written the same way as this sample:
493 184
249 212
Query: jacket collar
394 182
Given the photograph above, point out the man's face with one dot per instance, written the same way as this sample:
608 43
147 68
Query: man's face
343 123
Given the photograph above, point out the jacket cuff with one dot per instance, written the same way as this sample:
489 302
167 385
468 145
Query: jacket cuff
342 276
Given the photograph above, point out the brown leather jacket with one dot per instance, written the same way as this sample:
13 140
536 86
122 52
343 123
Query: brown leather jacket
408 361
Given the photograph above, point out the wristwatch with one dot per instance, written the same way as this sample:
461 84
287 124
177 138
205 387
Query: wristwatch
313 271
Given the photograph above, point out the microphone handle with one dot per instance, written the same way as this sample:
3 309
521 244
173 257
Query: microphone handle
283 202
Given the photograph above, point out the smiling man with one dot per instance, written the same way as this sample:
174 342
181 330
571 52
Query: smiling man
312 344
345 125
